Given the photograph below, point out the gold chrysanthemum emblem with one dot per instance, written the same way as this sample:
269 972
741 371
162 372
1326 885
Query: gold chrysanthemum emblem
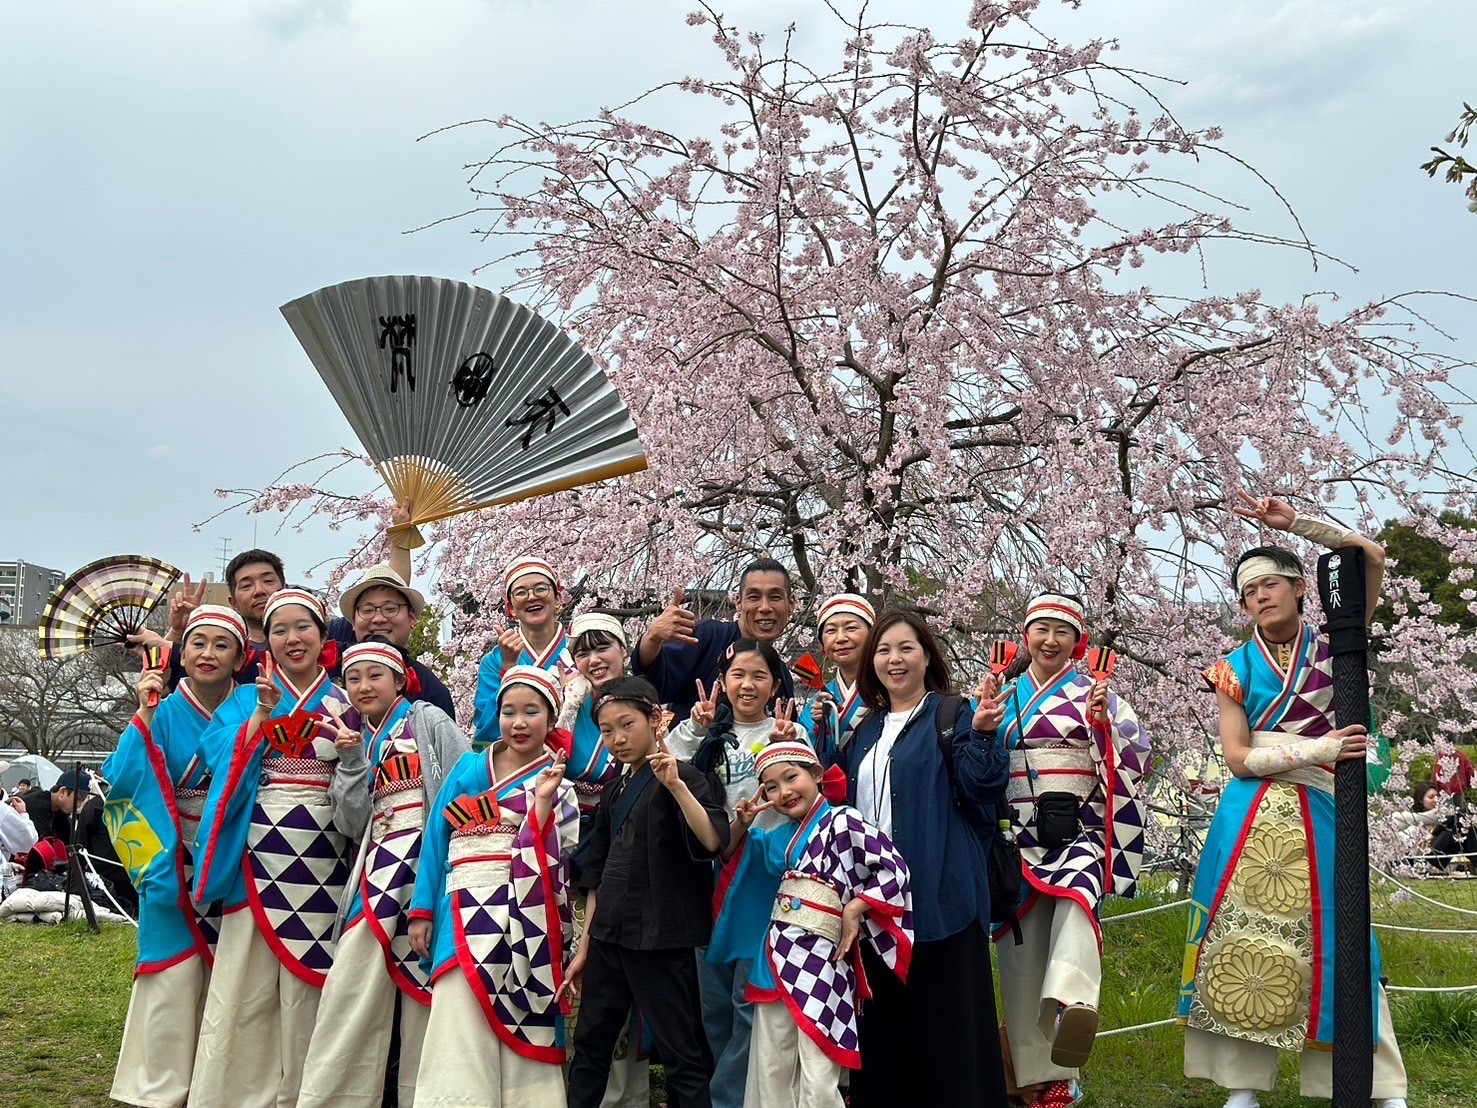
1253 983
1272 874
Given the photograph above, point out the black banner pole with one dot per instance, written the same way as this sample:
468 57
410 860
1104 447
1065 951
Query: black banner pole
1341 588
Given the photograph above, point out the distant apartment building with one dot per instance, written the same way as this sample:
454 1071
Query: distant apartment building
24 591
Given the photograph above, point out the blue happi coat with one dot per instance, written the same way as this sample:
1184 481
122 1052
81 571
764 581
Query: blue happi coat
234 760
152 841
841 720
1283 867
555 658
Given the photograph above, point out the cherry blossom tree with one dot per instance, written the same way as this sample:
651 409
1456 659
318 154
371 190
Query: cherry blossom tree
887 317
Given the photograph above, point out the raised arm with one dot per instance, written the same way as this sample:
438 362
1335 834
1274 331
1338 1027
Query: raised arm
1280 516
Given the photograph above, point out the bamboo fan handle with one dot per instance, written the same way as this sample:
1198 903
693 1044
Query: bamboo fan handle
407 537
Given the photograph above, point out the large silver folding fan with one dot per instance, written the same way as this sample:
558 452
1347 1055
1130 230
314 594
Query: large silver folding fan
463 398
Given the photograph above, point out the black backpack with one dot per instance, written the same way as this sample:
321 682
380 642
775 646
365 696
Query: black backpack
1002 855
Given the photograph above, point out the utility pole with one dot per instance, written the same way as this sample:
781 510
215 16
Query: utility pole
225 556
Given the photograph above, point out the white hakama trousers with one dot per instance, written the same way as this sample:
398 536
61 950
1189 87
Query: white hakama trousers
1243 1064
157 1056
351 1040
258 1020
465 1065
786 1068
1057 962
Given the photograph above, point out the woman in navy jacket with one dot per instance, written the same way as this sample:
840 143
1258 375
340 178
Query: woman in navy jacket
935 1039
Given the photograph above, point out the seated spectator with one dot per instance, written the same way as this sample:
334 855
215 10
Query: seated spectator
72 796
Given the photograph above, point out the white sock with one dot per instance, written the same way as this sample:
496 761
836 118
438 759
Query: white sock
1392 1102
1243 1098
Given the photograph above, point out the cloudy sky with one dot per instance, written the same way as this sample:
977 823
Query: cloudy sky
171 172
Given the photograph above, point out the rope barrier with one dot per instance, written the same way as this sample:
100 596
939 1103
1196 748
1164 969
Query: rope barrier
1431 988
107 892
1423 896
1425 930
1135 1027
1146 911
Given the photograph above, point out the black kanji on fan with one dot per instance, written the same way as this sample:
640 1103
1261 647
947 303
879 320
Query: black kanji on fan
398 333
1341 588
541 409
473 379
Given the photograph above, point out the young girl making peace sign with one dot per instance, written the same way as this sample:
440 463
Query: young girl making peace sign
730 724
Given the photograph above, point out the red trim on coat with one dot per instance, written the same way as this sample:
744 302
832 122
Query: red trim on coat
553 924
160 765
407 985
1046 888
245 748
264 925
159 967
846 1059
1316 892
468 965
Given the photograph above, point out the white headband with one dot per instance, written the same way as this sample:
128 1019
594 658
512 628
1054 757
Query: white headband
1261 566
1050 605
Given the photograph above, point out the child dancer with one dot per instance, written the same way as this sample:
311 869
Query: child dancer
598 645
650 881
411 749
271 837
491 912
839 877
157 790
727 729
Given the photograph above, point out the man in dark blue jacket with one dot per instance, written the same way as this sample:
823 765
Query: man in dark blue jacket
678 650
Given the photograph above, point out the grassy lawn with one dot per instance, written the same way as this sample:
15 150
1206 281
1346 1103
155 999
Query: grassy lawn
1438 1034
63 1013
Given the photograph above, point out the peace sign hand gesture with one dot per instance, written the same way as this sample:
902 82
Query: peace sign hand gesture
344 737
746 811
784 729
705 709
1270 511
268 692
548 781
181 604
991 710
664 766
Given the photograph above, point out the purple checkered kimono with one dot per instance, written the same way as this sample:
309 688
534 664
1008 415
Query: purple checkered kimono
824 861
496 884
1053 748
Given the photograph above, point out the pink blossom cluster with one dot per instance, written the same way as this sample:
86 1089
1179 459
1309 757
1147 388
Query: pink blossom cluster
879 321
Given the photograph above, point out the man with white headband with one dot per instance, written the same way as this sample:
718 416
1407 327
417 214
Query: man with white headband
1259 968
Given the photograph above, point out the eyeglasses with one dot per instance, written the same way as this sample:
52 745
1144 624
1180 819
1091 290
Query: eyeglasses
390 609
537 592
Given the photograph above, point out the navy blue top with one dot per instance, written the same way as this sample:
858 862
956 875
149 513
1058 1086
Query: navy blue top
948 863
679 665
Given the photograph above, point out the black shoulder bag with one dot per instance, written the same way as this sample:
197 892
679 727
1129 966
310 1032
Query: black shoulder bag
1002 855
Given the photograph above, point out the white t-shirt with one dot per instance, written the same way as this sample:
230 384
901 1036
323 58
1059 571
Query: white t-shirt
874 776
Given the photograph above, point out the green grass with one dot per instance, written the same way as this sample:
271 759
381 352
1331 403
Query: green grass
62 1016
1141 966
